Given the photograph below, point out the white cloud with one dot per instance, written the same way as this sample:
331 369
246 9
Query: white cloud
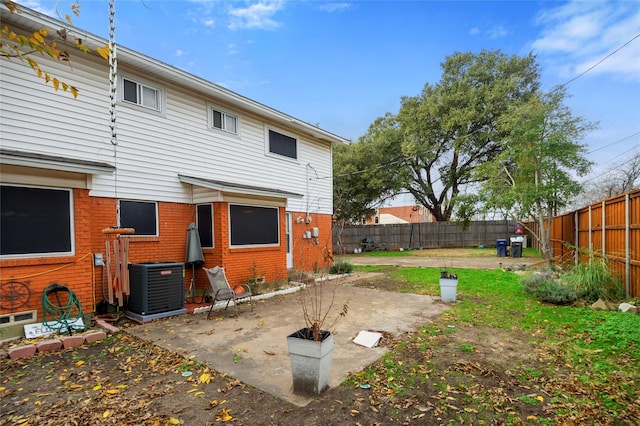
256 16
209 22
232 49
335 6
578 34
497 31
180 52
474 31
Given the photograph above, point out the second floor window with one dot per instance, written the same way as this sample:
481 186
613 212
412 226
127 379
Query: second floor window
141 94
224 121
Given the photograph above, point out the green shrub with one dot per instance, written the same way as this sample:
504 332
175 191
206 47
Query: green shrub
593 280
342 267
549 289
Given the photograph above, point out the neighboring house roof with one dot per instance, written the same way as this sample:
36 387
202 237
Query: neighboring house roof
33 21
52 162
402 214
237 188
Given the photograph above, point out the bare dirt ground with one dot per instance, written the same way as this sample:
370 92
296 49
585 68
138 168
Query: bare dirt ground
463 375
470 375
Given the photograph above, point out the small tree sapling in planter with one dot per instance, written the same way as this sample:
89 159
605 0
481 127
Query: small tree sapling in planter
311 347
448 286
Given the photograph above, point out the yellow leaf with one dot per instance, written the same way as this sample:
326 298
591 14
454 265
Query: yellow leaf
2 388
399 362
532 418
68 18
355 412
199 393
75 387
43 32
152 362
113 391
56 83
104 52
205 378
174 421
539 398
97 387
73 91
106 414
192 390
80 363
37 402
62 378
122 386
38 37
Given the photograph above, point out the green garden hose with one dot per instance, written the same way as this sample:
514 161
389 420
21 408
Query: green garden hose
64 313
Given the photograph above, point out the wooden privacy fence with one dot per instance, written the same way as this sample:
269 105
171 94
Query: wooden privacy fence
609 228
421 235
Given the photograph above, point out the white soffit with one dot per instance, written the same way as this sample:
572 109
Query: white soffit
234 188
51 162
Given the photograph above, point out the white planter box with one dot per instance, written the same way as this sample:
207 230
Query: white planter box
448 289
310 363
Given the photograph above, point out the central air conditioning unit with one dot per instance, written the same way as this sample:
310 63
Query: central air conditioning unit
156 290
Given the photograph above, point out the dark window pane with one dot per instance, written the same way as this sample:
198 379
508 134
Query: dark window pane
138 215
34 220
282 144
251 225
205 224
130 91
217 119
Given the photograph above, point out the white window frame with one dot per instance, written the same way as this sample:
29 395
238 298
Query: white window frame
140 85
72 230
224 113
157 218
267 144
250 245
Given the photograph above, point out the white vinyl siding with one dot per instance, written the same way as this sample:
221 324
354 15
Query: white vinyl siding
152 149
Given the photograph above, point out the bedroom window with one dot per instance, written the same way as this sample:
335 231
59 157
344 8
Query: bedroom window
141 94
253 225
36 221
221 120
283 145
139 215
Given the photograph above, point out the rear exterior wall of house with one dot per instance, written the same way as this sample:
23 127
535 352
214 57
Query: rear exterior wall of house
89 282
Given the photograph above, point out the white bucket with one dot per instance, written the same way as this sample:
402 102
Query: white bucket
448 289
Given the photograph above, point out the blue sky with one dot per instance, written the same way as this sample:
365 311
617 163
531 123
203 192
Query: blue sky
341 64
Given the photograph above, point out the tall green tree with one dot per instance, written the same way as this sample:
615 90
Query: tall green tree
451 128
364 174
535 175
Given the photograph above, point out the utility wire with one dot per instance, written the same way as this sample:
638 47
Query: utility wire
599 62
613 143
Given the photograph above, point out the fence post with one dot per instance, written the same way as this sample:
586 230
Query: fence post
627 244
604 230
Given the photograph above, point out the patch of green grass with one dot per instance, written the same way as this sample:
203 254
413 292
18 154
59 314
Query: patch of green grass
466 347
595 351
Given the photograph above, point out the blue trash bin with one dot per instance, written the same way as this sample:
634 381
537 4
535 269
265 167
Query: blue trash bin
501 247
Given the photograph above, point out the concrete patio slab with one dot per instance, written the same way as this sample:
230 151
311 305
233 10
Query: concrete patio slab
253 347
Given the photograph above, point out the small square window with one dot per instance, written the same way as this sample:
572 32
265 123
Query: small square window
141 94
139 215
223 121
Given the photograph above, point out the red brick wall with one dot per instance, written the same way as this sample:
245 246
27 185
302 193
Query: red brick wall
74 272
93 214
